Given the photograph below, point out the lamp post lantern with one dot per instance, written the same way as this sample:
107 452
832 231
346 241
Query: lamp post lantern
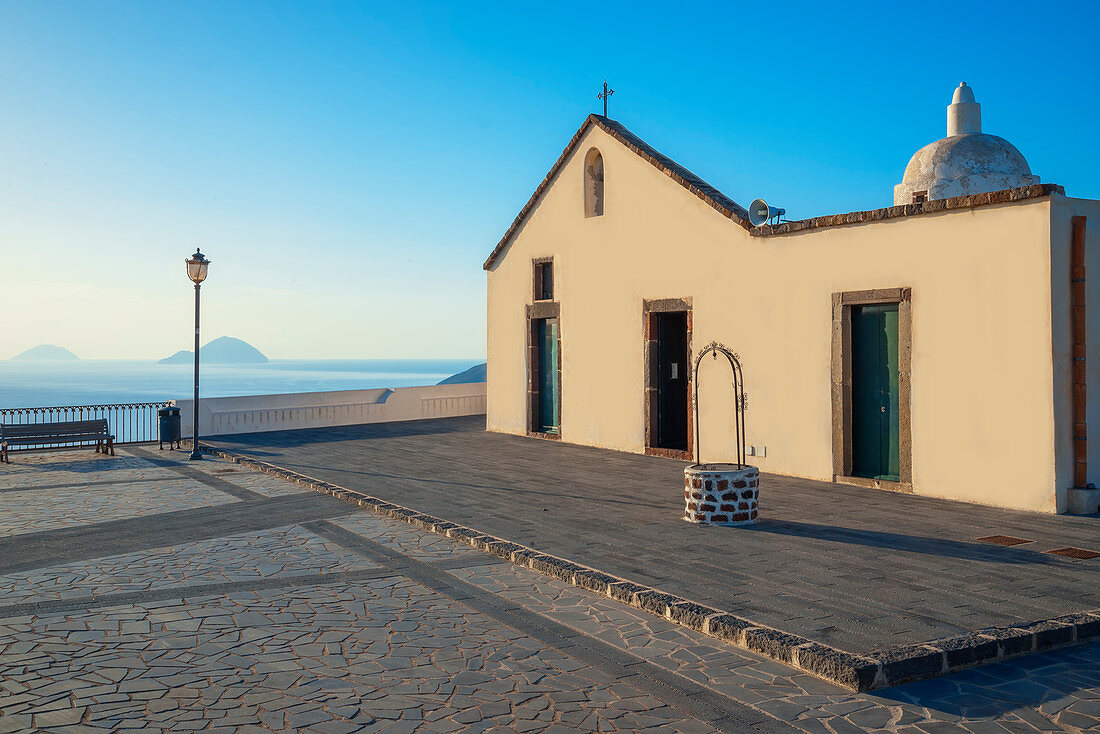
197 265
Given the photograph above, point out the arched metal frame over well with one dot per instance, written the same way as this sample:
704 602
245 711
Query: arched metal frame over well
716 348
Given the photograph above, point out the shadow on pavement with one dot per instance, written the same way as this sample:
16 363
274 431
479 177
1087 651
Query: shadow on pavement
1017 686
899 542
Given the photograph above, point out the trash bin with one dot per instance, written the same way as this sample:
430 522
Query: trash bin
170 426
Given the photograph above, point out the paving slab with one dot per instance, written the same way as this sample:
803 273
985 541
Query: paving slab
260 629
36 510
855 568
262 554
31 550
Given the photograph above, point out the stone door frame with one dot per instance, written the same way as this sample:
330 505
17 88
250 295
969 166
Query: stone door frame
841 387
650 309
536 312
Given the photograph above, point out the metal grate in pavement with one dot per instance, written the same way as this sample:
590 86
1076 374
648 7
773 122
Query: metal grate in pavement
1078 553
1004 540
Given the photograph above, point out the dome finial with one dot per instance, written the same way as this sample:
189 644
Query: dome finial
964 114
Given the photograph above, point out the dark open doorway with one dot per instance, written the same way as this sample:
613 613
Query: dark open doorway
671 380
667 325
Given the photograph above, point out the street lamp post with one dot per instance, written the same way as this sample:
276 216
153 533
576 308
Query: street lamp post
196 271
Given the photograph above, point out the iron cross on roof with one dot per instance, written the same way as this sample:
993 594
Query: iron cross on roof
604 95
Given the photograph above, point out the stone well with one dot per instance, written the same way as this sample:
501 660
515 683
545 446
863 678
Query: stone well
721 494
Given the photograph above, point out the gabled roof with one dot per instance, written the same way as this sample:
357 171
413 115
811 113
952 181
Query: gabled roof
697 186
732 210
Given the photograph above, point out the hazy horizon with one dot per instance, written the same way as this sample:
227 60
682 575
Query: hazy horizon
35 383
273 358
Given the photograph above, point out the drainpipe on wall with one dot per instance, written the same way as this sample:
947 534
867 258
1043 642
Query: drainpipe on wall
1077 322
1084 498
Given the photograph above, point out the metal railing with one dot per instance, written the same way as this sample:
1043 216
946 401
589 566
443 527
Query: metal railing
128 422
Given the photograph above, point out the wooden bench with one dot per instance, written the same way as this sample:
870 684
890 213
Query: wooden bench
56 434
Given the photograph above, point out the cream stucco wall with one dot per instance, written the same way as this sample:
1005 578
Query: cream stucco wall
982 367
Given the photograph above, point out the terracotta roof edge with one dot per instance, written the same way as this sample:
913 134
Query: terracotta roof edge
1005 196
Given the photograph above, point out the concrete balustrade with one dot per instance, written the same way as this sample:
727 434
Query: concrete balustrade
256 413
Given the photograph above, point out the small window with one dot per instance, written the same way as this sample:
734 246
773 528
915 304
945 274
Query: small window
919 197
593 184
544 280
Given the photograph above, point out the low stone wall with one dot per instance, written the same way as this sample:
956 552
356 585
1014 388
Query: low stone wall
256 413
721 494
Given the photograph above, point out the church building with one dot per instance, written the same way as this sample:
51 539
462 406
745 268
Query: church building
938 346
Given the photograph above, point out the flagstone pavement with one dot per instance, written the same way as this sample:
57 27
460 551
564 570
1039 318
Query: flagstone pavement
851 567
167 595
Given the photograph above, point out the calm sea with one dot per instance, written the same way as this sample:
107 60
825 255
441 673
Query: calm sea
93 381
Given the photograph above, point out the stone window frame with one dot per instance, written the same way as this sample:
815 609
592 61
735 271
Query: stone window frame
534 312
650 308
536 278
841 387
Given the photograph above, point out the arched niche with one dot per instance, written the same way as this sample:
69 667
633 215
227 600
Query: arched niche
593 183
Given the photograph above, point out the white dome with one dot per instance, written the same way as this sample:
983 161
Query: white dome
962 165
966 162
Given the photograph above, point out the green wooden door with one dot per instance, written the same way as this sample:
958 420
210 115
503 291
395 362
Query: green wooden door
875 425
549 386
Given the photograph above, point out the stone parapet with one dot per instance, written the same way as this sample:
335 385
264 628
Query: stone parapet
1006 196
292 411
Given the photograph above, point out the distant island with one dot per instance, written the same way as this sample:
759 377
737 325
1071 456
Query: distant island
223 350
474 374
47 353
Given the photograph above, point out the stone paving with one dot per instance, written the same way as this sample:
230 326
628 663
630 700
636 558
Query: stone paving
38 510
363 623
407 540
276 553
1057 691
324 659
53 490
900 569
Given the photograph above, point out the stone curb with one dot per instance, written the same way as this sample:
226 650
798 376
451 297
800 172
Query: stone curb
878 669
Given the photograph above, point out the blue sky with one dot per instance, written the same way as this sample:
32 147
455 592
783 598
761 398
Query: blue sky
348 166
